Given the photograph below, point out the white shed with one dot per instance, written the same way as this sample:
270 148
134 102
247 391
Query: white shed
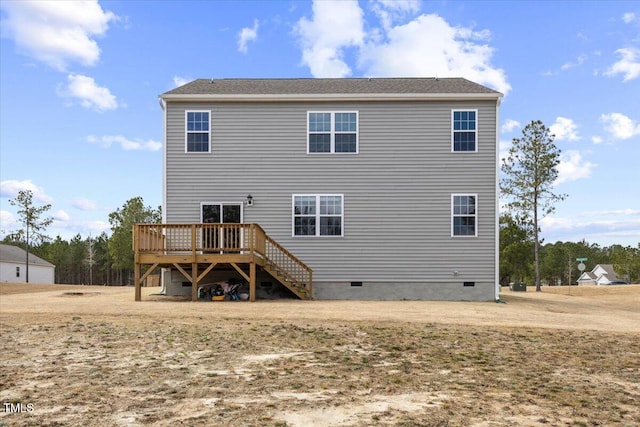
13 266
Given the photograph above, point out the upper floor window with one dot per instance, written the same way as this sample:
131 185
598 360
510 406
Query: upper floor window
464 130
463 215
318 215
197 130
332 131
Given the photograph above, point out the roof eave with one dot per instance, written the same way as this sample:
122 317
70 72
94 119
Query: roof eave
331 97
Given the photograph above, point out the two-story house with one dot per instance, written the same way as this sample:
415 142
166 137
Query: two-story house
381 188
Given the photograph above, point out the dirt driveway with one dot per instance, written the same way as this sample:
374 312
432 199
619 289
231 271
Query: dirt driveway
81 355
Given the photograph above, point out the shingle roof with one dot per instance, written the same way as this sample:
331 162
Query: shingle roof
587 275
608 268
331 86
17 255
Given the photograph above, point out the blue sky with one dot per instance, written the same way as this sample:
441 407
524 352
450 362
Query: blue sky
80 123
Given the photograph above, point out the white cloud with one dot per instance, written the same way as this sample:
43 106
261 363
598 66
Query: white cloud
579 61
57 32
180 81
549 223
504 147
68 228
125 143
596 139
401 5
565 129
628 64
95 227
8 222
572 167
83 204
509 125
630 17
88 93
593 225
615 212
605 227
246 35
402 45
334 26
582 36
10 189
390 11
620 126
61 215
429 46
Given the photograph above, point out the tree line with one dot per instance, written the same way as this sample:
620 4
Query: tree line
527 187
108 260
100 260
558 265
530 171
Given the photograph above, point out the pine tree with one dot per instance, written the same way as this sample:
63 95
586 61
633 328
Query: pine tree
34 227
529 173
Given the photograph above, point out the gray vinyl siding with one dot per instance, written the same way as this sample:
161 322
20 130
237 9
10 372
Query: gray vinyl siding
397 191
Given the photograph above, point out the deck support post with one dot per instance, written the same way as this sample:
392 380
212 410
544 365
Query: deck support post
137 281
194 281
252 282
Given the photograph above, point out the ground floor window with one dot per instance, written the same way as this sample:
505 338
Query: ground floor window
463 215
318 214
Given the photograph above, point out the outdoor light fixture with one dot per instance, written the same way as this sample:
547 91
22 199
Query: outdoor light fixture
249 200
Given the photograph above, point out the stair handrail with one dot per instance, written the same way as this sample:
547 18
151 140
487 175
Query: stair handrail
299 273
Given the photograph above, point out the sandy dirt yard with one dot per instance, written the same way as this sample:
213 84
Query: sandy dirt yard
91 356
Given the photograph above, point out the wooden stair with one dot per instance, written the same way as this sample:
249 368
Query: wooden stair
299 288
288 269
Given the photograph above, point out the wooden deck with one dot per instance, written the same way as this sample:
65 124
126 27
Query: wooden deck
196 249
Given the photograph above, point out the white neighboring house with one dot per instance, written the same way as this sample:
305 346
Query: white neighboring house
602 274
13 267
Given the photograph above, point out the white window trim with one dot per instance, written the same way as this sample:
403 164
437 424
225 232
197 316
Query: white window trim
237 202
453 132
222 204
186 131
333 132
474 215
317 215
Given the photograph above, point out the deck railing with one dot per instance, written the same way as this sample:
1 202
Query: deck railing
172 239
166 239
148 238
